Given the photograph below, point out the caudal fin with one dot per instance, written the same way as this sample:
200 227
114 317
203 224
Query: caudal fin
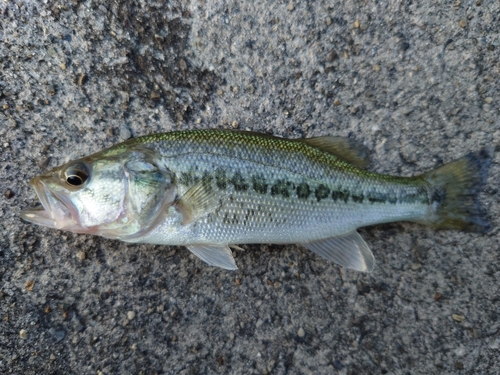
454 193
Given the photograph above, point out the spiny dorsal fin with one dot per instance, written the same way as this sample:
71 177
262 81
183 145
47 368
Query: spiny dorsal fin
346 149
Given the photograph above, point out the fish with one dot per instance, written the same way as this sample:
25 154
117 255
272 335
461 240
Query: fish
212 190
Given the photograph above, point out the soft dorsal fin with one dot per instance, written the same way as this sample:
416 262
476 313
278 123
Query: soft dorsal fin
348 250
346 149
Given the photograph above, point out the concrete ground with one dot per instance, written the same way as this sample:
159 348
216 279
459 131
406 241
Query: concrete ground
417 82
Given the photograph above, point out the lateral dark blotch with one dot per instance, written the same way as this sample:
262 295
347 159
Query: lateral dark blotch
221 179
420 196
259 184
303 191
281 187
377 197
322 192
357 198
340 195
239 182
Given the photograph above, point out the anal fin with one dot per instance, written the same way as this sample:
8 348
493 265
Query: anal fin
215 255
348 250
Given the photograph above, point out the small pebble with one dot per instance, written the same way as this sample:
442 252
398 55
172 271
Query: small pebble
182 64
58 333
52 357
328 21
336 102
125 133
301 332
416 266
82 79
488 100
462 23
458 318
30 284
332 56
131 315
290 6
81 255
23 333
183 274
356 24
250 88
9 193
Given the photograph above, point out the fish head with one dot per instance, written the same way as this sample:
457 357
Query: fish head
114 195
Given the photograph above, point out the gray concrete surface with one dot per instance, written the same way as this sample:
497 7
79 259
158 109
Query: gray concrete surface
417 82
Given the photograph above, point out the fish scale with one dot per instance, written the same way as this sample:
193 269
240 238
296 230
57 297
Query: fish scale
207 189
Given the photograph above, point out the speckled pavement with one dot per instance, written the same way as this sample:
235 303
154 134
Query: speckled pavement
417 82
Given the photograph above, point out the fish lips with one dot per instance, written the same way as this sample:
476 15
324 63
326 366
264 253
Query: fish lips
57 211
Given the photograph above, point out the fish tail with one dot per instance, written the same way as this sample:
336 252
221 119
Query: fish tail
454 189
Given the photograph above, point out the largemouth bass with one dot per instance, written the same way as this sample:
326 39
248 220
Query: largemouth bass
209 190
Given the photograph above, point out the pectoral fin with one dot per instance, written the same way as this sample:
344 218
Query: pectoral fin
197 202
215 255
348 250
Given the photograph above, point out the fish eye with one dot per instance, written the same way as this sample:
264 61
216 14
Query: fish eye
76 175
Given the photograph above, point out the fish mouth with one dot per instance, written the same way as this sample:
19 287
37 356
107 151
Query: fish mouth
56 211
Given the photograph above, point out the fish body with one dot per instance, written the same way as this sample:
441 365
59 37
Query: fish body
210 189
